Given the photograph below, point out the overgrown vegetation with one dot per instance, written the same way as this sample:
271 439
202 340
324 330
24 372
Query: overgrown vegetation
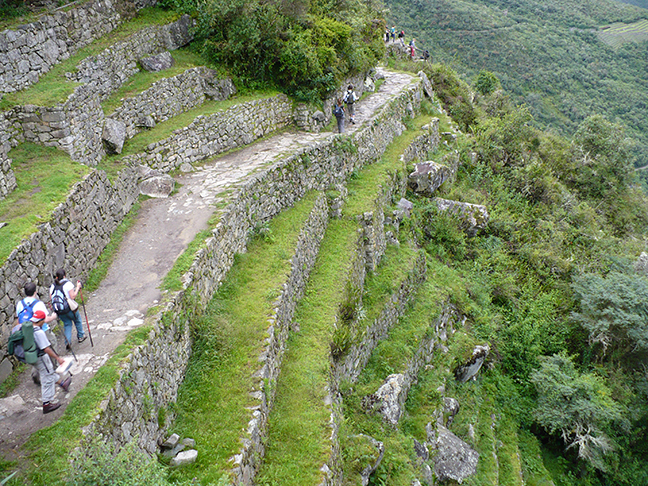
306 48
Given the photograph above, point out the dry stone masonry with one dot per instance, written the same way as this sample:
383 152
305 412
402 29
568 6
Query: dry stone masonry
30 50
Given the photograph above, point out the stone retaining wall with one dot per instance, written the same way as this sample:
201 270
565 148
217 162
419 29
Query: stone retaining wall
111 68
29 51
421 145
76 126
210 135
248 461
7 177
350 367
260 199
78 230
167 98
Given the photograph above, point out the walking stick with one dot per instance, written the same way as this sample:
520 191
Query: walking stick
86 316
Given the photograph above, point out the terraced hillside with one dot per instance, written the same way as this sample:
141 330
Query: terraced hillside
285 193
617 34
278 303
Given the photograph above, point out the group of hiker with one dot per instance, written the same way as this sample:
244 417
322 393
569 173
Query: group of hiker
30 339
349 99
391 33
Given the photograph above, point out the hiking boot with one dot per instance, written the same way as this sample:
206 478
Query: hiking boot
50 406
65 384
82 338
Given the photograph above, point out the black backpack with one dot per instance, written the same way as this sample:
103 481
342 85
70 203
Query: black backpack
59 300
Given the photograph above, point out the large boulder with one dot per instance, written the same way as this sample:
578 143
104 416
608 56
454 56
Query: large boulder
114 135
641 265
427 85
179 34
454 459
473 217
160 186
428 177
388 399
158 62
466 371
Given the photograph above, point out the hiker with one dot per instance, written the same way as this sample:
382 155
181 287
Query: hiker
338 111
350 98
412 46
48 377
393 33
401 36
32 303
63 292
387 35
426 55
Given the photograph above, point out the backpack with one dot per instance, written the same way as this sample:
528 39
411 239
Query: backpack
349 98
27 312
59 300
22 345
338 112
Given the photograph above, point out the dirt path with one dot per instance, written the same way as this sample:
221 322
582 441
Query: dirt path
163 229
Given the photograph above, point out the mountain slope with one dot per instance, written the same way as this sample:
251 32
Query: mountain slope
546 54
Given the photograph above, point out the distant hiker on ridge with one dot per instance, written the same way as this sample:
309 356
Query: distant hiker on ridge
63 292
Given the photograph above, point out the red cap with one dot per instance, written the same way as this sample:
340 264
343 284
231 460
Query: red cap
38 316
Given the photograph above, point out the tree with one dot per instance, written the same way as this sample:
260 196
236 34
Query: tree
613 310
578 406
486 82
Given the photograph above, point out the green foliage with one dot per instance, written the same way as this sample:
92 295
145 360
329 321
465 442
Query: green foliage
547 54
10 9
306 49
613 311
578 406
101 465
486 82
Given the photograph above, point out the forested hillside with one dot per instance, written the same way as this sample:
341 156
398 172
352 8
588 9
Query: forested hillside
546 54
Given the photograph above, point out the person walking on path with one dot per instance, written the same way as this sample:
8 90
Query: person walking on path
48 377
393 33
350 98
412 46
338 111
401 38
62 291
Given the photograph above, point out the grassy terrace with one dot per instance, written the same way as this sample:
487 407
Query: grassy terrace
44 176
53 87
299 433
230 338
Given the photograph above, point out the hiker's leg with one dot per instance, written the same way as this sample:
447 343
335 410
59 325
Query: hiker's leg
48 378
67 327
78 324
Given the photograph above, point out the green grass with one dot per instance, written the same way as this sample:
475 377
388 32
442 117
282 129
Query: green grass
105 260
230 337
53 87
184 60
364 186
299 435
48 449
44 176
173 279
12 381
161 131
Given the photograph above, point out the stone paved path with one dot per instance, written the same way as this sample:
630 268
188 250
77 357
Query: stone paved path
163 230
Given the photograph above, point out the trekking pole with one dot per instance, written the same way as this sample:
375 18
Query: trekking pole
69 346
86 316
